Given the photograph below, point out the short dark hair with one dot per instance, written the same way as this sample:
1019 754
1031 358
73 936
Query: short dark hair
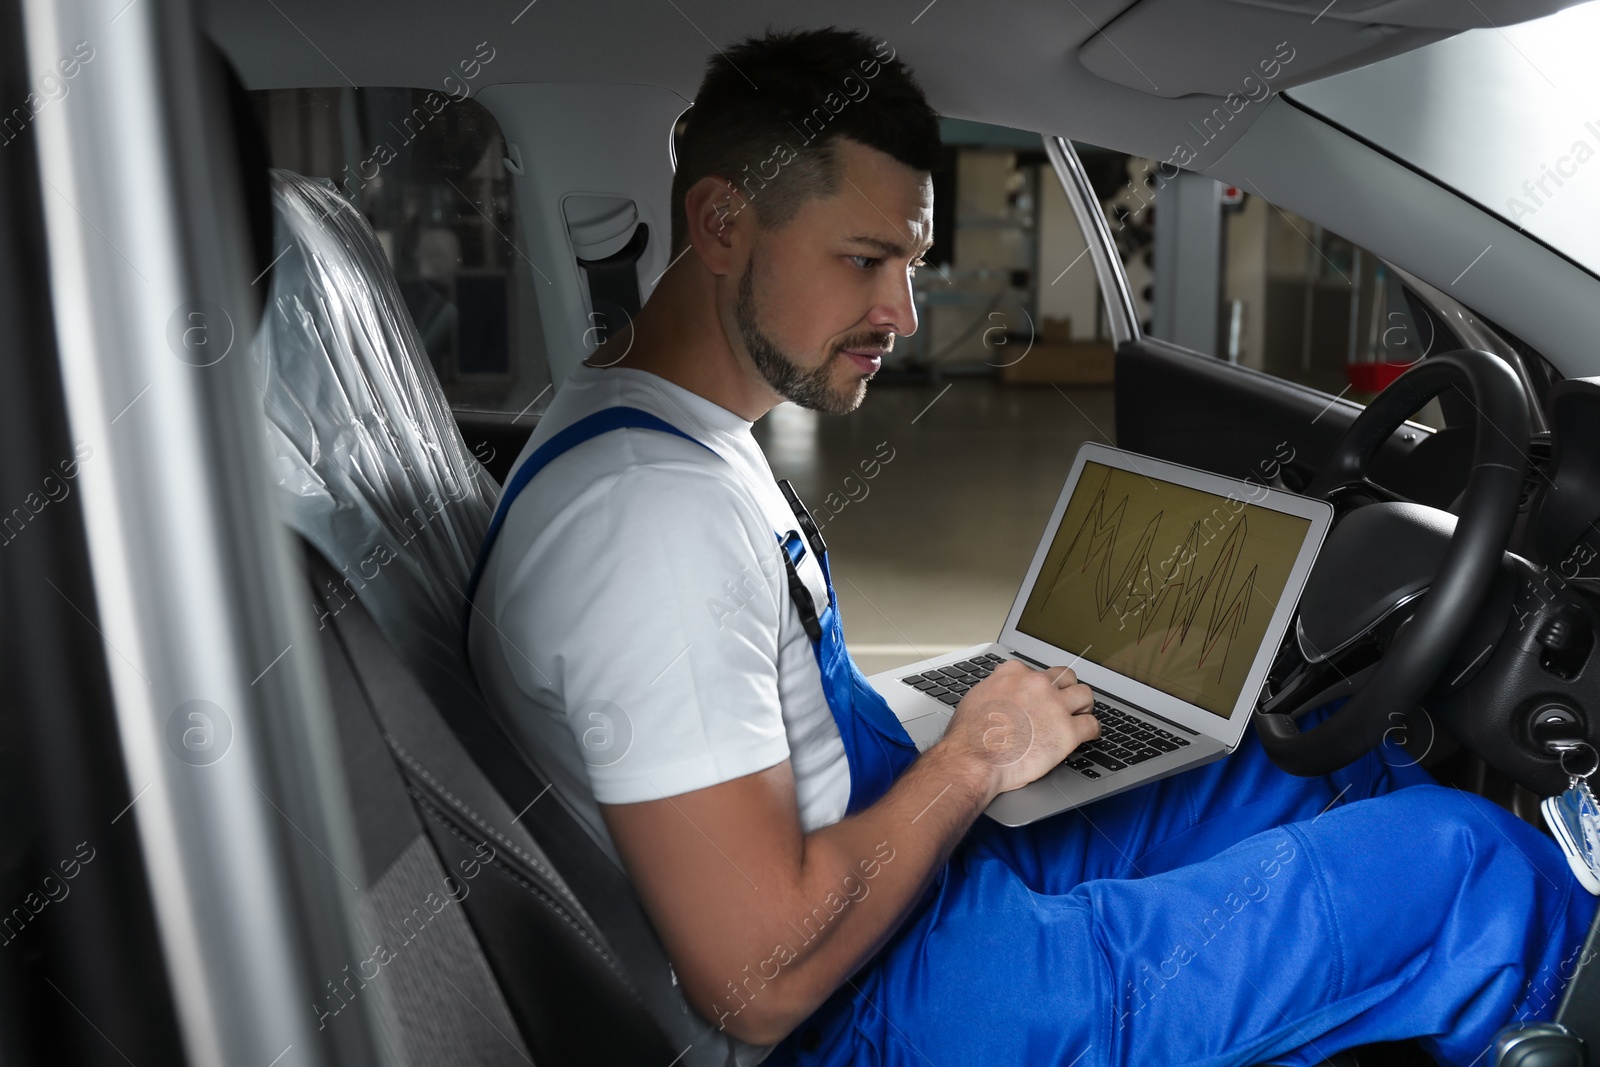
779 102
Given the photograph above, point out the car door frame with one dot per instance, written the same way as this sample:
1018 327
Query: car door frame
220 713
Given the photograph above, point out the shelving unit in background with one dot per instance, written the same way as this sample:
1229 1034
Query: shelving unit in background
982 287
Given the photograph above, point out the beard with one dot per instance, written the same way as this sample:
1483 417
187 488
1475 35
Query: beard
814 388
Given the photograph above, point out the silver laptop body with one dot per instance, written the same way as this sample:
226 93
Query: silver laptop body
1168 590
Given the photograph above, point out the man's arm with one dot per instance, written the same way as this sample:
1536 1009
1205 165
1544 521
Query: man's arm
763 921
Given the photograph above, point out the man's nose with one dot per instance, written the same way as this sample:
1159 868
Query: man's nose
897 307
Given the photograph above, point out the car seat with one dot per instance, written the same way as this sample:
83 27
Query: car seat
376 479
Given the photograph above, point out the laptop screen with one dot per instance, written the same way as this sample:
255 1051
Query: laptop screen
1169 585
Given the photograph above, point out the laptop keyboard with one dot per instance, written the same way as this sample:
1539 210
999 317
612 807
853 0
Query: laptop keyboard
951 683
1124 739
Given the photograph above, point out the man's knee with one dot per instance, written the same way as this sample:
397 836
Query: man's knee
1437 830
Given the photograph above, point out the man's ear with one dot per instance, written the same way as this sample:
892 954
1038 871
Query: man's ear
718 219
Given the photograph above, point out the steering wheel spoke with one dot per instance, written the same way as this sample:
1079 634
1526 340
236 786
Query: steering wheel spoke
1386 495
1361 492
1312 683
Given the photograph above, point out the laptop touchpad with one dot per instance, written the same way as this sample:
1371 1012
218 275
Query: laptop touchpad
926 729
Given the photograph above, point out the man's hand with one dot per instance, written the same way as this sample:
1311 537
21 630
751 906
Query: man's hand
1022 723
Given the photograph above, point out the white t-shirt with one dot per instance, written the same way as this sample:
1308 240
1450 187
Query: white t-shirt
643 641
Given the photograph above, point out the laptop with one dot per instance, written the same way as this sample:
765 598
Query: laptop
1169 591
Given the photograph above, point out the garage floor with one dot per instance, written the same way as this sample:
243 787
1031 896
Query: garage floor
938 496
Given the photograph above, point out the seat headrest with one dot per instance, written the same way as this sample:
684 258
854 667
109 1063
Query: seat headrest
369 464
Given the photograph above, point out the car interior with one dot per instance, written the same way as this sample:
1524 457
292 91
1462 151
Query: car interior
1454 603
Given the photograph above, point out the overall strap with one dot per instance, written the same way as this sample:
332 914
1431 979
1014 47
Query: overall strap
562 441
794 550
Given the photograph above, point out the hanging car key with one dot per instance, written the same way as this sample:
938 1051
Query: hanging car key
1574 819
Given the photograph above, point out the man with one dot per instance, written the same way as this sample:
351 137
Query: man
663 631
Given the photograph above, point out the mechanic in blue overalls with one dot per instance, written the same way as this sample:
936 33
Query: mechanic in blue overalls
827 895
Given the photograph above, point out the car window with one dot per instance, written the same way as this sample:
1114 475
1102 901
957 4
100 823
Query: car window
1294 299
1503 115
427 169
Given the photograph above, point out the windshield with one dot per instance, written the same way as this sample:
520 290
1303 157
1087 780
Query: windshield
1509 118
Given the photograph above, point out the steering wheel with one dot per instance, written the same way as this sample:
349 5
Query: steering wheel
1412 663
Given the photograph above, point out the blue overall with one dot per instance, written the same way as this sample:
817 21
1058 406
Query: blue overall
1232 914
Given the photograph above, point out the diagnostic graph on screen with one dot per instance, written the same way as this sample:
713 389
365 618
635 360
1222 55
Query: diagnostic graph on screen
1169 585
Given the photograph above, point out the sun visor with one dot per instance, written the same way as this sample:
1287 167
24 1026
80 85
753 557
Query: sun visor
1246 48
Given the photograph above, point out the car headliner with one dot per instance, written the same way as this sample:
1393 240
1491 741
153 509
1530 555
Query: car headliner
1013 63
1018 63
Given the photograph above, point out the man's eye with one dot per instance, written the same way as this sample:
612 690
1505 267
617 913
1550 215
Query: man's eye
864 262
